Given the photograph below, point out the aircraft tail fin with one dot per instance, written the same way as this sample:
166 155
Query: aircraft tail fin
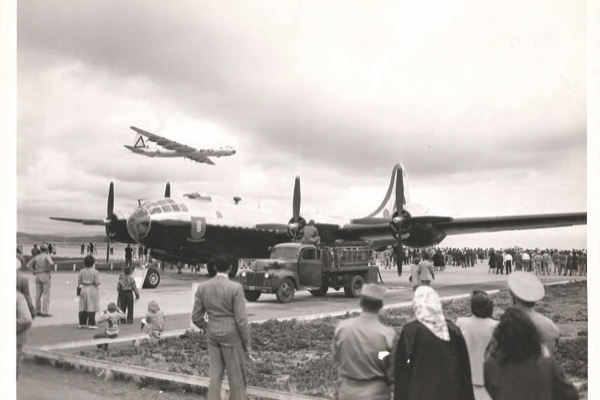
388 206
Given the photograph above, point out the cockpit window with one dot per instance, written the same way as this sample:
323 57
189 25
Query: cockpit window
176 207
155 210
166 208
183 207
161 202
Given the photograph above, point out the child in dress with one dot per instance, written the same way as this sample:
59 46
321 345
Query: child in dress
112 315
154 323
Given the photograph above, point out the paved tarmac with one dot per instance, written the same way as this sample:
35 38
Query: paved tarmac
174 295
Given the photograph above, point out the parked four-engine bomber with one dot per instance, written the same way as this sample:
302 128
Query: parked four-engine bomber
298 266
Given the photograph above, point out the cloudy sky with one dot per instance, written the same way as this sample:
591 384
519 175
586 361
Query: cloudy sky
483 102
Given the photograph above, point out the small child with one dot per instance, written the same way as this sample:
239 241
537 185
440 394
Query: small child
125 289
154 323
111 315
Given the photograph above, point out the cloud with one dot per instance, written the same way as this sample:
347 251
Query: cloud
463 94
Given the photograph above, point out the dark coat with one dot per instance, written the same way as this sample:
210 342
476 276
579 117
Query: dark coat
427 367
541 379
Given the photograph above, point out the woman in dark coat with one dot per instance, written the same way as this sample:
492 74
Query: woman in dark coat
517 368
432 360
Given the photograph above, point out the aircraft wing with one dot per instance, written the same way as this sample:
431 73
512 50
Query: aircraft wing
164 142
458 226
200 158
99 222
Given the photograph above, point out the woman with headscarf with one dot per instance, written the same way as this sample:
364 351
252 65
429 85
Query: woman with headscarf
518 368
88 281
432 360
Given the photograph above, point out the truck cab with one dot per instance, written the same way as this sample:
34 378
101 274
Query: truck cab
302 266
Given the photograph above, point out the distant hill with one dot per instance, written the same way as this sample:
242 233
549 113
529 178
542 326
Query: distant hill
23 237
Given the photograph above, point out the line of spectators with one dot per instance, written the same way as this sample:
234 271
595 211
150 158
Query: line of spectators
542 262
434 358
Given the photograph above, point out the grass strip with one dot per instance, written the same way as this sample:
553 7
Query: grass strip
296 356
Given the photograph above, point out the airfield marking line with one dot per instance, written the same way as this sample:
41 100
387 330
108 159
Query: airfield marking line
132 370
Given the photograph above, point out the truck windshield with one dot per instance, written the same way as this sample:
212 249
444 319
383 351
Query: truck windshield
285 253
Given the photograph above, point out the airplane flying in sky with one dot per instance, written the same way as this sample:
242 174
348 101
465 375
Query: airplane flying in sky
174 149
189 231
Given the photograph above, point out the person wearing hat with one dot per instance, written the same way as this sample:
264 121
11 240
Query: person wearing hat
518 368
41 265
310 234
360 349
526 289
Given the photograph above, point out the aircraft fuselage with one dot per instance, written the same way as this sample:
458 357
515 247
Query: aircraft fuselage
197 231
172 153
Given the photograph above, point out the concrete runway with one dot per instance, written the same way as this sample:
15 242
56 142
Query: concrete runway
175 299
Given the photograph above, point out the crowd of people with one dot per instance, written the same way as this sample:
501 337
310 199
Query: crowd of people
500 261
433 358
88 281
541 262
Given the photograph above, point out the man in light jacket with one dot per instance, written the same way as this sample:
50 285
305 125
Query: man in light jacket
220 309
426 272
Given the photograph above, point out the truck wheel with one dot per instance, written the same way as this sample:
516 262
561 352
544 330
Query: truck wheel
252 295
285 291
210 267
234 268
322 291
355 286
152 279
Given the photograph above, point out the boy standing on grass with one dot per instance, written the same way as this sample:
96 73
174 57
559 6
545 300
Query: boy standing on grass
112 315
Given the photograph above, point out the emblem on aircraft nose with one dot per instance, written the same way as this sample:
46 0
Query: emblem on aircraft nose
198 228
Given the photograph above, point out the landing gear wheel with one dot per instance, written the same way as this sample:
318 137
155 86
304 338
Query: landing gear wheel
355 287
234 268
322 291
252 295
210 268
152 279
336 288
285 291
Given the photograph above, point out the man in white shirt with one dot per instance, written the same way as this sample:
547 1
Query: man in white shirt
508 263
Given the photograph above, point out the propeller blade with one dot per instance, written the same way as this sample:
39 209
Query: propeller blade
168 190
400 201
111 200
296 204
107 250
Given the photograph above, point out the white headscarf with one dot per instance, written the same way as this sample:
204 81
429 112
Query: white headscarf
428 310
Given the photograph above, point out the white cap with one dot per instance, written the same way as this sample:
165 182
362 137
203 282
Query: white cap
525 286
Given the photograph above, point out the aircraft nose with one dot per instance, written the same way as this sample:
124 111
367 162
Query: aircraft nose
138 223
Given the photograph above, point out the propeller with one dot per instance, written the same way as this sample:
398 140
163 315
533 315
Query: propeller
168 190
110 217
400 220
296 224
